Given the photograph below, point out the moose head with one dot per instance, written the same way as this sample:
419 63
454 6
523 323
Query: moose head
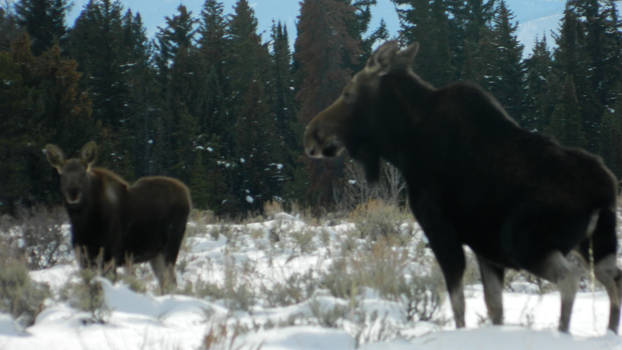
73 172
351 122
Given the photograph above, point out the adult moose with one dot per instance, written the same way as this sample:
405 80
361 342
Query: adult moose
113 223
517 199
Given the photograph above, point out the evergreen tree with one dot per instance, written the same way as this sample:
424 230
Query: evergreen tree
177 65
538 103
212 49
322 28
199 183
469 27
139 77
602 46
97 43
505 73
214 132
566 122
379 35
611 139
357 23
44 20
254 133
612 57
42 103
8 27
289 152
427 23
571 64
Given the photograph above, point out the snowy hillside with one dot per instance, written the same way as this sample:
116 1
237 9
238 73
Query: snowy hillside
288 283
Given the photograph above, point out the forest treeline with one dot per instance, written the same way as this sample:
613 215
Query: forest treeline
210 102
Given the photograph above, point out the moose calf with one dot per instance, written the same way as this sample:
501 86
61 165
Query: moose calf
114 223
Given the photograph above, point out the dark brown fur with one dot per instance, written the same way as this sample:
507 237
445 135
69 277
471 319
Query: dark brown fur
116 223
517 199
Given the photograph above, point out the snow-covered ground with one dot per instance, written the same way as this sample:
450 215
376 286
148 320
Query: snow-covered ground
267 256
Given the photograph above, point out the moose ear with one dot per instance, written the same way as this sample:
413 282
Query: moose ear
88 154
407 56
55 157
388 57
380 61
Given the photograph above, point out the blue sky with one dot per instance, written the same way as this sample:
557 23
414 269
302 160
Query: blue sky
286 11
535 16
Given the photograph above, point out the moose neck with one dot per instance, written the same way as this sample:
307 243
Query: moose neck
404 99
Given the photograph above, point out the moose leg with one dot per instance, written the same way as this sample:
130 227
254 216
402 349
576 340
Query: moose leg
450 257
557 269
158 265
601 248
492 279
446 246
610 276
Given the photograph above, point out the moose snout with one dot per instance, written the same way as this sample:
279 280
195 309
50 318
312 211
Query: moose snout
315 142
322 137
322 147
73 196
311 144
311 151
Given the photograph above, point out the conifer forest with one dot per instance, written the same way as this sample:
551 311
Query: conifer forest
212 102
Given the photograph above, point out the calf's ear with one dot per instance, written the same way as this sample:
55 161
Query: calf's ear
88 154
55 157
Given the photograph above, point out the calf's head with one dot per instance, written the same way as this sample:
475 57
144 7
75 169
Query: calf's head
74 179
354 119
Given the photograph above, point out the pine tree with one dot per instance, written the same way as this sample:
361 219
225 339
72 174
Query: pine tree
505 73
379 35
571 63
538 94
566 122
42 103
357 23
322 28
212 49
177 65
469 28
612 57
611 140
8 27
96 42
426 22
254 132
139 77
287 129
199 183
44 20
214 131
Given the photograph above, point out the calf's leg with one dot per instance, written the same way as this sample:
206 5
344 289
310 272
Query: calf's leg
165 273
